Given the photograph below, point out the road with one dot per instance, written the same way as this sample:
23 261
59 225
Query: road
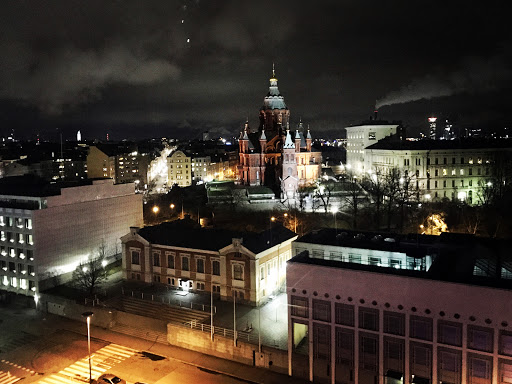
40 352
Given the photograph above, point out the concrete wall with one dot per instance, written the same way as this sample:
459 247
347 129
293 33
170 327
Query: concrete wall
65 235
273 359
103 317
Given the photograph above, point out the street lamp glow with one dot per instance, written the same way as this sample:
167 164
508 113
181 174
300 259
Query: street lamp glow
272 218
104 263
88 316
172 206
155 209
334 210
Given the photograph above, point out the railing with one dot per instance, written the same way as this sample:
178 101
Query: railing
169 301
224 332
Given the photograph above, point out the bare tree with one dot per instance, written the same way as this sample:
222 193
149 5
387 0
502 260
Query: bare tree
354 197
375 184
90 274
391 192
323 193
302 193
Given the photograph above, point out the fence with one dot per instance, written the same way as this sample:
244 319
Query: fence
225 332
157 298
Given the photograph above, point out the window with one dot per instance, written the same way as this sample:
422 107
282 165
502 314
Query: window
394 354
136 257
156 259
200 266
262 273
369 318
321 310
394 323
421 359
344 346
216 267
29 239
299 306
185 263
238 271
170 260
449 365
344 314
479 367
368 351
505 372
421 328
480 339
506 343
321 341
449 333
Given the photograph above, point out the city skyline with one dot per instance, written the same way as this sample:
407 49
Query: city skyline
178 69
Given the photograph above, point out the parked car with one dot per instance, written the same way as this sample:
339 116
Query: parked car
108 378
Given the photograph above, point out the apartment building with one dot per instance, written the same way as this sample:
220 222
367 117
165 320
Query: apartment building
246 265
439 169
47 230
122 163
376 308
179 168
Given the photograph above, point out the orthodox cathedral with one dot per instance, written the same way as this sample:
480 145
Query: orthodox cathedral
273 155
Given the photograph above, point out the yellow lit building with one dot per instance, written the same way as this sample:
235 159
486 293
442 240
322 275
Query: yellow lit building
179 168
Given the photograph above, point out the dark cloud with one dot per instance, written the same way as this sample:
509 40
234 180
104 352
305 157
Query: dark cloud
158 63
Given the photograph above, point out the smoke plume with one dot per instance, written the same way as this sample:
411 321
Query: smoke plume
475 75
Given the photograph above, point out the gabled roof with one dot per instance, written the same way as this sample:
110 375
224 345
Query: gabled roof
188 234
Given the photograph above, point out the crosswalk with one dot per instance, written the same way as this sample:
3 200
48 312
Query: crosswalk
101 361
7 378
9 343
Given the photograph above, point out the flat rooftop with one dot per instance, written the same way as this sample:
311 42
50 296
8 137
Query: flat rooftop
456 258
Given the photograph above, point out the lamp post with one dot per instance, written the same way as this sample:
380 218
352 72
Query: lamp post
88 316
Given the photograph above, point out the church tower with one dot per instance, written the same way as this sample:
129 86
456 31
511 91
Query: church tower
290 180
274 114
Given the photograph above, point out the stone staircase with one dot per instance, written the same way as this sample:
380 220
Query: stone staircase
156 310
158 337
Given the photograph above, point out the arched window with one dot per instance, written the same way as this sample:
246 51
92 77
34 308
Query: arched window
289 171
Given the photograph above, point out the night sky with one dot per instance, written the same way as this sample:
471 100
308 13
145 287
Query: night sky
138 69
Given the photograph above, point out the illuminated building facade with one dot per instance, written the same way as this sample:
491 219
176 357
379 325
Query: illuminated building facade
432 131
46 231
366 308
123 164
179 167
439 169
360 137
248 266
262 159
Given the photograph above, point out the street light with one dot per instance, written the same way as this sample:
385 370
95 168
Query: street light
155 209
88 316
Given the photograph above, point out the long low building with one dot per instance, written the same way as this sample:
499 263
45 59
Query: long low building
246 265
372 308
